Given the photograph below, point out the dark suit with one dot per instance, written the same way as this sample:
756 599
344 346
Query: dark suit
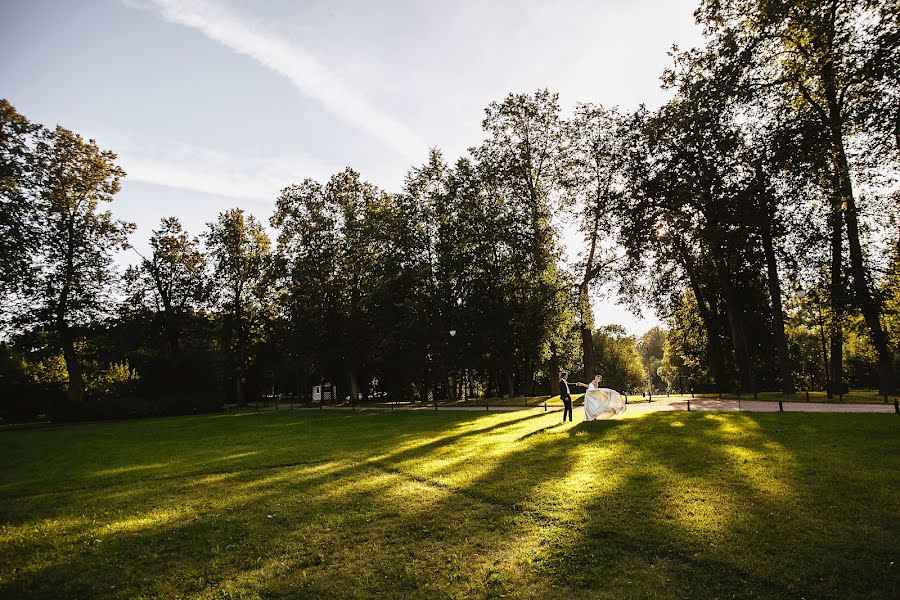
566 399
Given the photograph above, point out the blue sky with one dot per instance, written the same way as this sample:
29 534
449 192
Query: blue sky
213 104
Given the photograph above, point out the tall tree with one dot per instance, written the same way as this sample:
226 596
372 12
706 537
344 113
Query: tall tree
307 257
240 253
335 243
594 178
74 256
521 161
839 59
172 279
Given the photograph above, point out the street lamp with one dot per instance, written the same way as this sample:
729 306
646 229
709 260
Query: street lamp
459 302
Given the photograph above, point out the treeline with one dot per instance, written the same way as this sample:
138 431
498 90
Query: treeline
754 211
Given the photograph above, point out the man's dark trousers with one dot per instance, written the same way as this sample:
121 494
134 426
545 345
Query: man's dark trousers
567 408
566 399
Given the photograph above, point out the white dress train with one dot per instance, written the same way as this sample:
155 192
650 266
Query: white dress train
602 403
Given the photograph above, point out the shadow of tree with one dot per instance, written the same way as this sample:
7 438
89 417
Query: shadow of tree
473 505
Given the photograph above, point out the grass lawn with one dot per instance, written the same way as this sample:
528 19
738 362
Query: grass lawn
373 504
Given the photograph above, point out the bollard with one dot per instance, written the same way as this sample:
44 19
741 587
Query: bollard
780 406
896 406
807 395
435 405
486 405
545 406
885 398
689 406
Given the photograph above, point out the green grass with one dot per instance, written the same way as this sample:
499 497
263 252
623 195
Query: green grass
452 504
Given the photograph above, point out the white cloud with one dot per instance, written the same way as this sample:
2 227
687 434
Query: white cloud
201 169
291 61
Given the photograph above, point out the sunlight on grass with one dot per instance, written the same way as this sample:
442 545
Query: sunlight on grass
128 469
236 456
154 518
455 505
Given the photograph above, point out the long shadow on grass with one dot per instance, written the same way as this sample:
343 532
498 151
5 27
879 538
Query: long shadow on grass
147 520
429 523
472 529
38 464
178 542
714 507
668 500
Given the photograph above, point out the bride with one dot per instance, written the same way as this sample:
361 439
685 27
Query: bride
600 403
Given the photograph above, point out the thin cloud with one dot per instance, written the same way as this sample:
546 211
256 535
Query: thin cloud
291 61
202 169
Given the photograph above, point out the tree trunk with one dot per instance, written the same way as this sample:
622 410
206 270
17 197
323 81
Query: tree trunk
553 375
781 346
586 328
73 367
508 380
824 353
711 322
739 343
172 334
242 346
353 384
866 301
169 324
836 324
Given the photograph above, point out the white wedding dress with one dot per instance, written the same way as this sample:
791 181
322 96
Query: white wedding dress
602 403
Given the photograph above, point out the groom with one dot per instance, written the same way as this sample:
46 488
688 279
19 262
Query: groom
565 396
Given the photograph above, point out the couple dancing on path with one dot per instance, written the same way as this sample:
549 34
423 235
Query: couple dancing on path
599 403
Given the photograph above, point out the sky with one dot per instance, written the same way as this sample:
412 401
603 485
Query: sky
212 104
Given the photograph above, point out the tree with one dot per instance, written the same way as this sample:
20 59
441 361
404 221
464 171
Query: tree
172 281
240 253
839 60
651 348
73 259
618 359
338 249
594 178
307 256
681 214
521 162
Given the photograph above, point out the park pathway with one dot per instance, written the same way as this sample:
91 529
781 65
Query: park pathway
660 405
715 405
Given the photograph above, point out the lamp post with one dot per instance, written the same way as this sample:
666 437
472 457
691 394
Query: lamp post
452 393
799 294
455 361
